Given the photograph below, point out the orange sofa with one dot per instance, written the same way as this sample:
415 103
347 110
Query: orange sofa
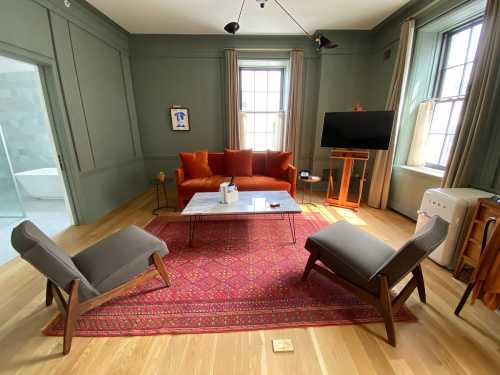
187 187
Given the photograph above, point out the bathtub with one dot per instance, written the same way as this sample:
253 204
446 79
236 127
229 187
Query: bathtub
43 183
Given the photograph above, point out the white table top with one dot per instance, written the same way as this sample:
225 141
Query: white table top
249 202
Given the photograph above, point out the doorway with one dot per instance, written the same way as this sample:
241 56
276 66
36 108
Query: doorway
31 181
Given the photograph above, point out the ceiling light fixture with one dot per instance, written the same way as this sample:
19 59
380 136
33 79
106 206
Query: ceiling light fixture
232 27
320 40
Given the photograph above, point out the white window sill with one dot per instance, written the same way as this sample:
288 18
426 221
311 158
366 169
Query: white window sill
424 170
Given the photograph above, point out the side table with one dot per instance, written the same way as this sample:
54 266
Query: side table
160 186
310 180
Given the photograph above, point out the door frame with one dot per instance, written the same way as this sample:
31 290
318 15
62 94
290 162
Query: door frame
58 122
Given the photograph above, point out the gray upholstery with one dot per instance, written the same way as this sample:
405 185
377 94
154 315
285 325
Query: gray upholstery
359 257
103 266
43 254
126 254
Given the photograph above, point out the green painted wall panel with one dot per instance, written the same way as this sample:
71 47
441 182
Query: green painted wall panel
69 82
100 77
25 24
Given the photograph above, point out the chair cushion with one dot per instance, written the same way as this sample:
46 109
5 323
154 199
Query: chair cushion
196 163
257 183
206 184
48 258
351 253
277 163
118 258
238 162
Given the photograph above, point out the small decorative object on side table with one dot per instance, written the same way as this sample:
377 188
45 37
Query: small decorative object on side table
309 180
159 183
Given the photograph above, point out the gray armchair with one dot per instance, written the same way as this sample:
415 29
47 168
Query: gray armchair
369 268
96 274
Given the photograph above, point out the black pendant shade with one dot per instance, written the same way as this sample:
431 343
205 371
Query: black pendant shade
232 27
324 42
320 40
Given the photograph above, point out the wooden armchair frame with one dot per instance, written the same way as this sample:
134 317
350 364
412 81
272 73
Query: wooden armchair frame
384 303
72 309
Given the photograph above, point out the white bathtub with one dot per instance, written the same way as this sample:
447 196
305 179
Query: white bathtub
43 183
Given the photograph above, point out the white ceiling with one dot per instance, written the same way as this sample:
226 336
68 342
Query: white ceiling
210 16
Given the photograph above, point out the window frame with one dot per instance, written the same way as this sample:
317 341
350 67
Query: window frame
444 50
282 70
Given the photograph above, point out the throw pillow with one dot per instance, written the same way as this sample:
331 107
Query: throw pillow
277 163
238 162
196 164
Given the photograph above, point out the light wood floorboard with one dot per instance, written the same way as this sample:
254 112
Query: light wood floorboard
440 343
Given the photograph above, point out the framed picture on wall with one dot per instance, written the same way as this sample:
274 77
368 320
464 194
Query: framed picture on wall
180 119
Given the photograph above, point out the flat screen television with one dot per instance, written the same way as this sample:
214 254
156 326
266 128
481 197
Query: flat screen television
358 130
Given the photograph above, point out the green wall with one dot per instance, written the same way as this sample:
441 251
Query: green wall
189 71
432 20
86 73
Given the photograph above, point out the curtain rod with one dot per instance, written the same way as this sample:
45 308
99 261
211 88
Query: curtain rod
265 49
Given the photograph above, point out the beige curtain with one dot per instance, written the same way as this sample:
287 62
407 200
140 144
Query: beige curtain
479 103
294 110
416 157
232 92
382 168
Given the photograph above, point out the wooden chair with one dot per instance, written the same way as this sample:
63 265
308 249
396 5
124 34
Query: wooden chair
369 268
95 275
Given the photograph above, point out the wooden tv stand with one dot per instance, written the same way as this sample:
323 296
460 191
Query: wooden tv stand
348 156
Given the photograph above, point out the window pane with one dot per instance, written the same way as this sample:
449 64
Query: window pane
247 80
247 102
271 141
446 150
274 81
440 117
451 81
260 122
474 42
260 101
260 142
273 102
455 116
261 80
433 148
458 48
466 79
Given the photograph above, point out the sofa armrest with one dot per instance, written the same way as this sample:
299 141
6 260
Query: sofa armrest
179 176
292 179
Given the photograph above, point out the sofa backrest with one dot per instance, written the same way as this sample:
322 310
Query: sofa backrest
218 166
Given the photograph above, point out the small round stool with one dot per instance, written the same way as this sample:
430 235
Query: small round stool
309 180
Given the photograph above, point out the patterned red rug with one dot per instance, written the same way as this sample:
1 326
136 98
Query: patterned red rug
243 273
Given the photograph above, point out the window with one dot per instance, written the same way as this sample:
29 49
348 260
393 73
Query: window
457 59
262 107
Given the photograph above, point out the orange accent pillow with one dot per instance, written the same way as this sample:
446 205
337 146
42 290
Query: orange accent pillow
196 164
238 162
277 163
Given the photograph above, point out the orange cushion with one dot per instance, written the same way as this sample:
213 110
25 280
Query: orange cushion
259 162
238 162
196 163
217 163
259 183
204 184
277 163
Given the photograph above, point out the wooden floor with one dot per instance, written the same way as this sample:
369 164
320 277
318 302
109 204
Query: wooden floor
440 343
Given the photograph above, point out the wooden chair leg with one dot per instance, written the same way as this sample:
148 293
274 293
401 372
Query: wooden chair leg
310 263
49 296
419 277
160 267
463 300
386 309
71 316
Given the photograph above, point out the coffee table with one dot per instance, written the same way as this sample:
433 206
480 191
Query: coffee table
249 203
